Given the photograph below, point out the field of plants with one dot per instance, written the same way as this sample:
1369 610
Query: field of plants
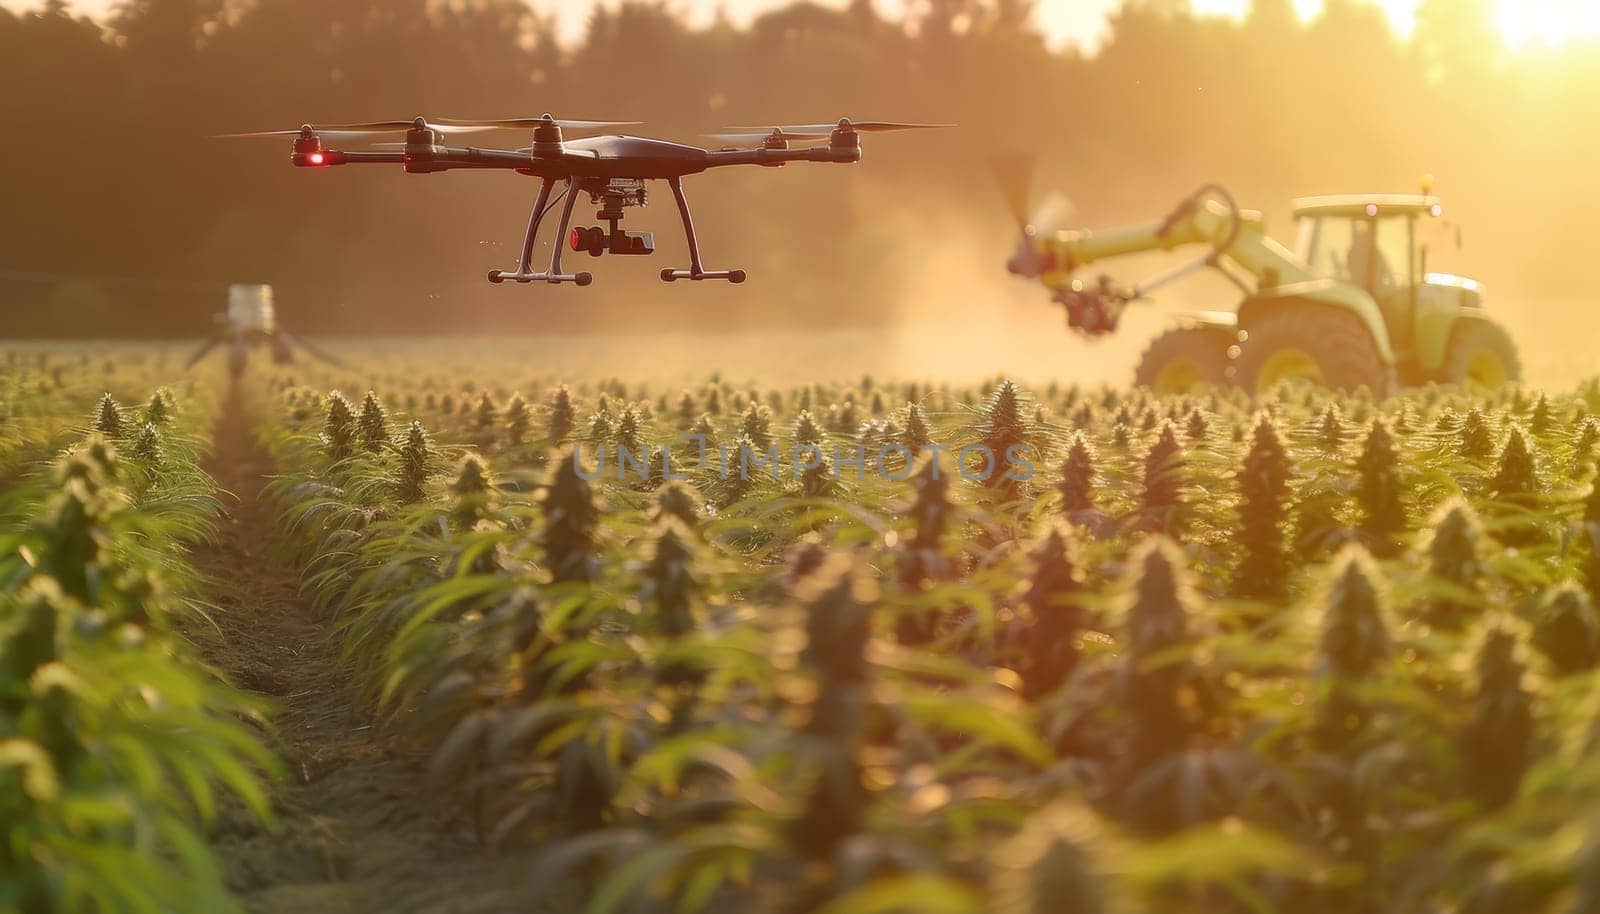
454 635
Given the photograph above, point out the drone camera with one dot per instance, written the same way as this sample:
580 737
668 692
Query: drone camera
588 240
594 241
633 243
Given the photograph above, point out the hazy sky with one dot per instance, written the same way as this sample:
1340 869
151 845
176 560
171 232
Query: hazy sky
1082 21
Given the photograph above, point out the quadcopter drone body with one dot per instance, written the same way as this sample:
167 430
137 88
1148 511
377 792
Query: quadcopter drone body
612 170
251 321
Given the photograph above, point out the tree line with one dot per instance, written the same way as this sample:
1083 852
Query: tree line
125 217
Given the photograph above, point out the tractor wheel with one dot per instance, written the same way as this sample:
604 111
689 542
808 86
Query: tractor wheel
1318 343
1480 354
1185 358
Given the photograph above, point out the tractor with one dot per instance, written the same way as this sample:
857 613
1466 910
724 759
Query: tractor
1354 304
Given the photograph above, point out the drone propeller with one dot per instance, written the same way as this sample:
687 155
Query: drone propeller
529 123
338 132
754 139
1053 212
823 131
1014 173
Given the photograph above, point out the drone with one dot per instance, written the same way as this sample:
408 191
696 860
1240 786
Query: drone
251 321
611 169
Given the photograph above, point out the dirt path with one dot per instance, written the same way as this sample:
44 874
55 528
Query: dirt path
357 832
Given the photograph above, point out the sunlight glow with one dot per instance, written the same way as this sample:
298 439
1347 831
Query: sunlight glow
1547 22
1522 23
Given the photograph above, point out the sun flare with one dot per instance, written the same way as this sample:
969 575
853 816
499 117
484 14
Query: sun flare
1547 22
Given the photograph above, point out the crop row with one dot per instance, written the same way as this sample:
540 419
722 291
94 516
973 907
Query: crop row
46 392
116 742
1311 653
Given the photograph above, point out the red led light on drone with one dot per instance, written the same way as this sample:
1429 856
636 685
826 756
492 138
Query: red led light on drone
315 158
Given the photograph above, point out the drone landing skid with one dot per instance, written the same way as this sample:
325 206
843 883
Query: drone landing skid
581 279
696 271
733 276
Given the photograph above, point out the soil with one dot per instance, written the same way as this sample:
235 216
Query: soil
356 828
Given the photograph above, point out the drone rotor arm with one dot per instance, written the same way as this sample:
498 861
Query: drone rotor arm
202 352
425 159
716 158
315 351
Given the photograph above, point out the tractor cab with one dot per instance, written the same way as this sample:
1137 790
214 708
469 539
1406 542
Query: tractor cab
1367 241
1382 244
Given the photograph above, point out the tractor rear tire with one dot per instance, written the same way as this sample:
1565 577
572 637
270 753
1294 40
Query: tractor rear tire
1320 343
1480 354
1185 358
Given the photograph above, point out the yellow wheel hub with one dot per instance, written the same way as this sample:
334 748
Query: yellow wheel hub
1486 369
1178 376
1288 364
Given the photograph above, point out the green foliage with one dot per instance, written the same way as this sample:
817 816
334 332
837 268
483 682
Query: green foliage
1003 431
158 411
108 419
1330 429
1455 561
1383 509
1055 863
916 434
922 561
1153 683
1051 618
339 428
563 415
1078 476
1542 420
806 430
627 434
1498 740
1588 437
487 412
1567 630
115 740
669 579
1515 474
838 626
518 418
1591 505
817 473
373 424
473 493
1163 480
1355 643
758 426
906 695
1475 440
571 522
416 464
1263 510
147 447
